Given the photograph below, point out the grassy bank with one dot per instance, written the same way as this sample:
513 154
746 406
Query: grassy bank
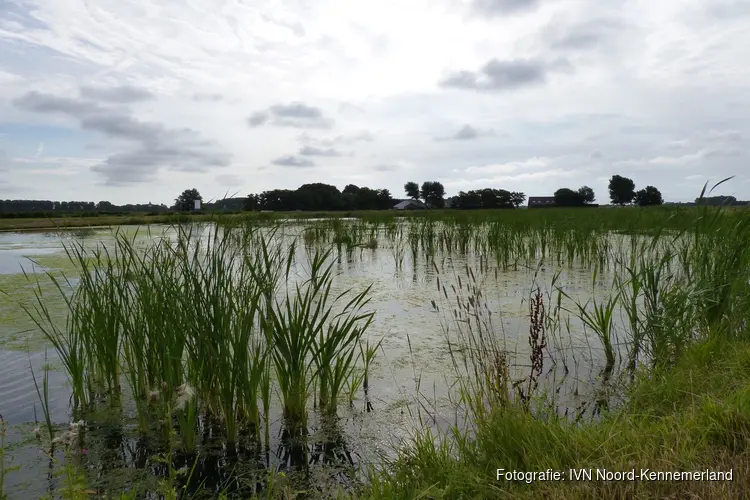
603 218
692 417
44 223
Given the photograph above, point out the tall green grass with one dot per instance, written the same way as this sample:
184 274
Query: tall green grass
222 314
677 311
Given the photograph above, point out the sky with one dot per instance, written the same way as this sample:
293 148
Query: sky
135 101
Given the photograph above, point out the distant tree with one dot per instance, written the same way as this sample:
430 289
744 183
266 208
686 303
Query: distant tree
586 194
412 190
465 200
433 194
648 196
717 200
621 190
252 202
318 196
517 198
565 197
486 198
105 206
351 189
186 201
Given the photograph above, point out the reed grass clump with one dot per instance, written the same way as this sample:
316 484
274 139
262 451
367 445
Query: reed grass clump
205 323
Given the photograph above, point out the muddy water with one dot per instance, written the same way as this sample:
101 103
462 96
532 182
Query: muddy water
409 378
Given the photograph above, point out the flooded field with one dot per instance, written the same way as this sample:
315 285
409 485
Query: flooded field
432 288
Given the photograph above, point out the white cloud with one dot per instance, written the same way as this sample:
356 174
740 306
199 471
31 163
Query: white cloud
591 88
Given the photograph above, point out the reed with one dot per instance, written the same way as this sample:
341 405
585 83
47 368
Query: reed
43 396
218 312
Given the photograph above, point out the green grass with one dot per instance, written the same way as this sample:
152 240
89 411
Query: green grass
215 313
47 223
685 300
694 416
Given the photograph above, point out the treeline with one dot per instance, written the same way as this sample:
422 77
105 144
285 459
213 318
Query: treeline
325 197
48 208
487 198
321 197
721 200
566 197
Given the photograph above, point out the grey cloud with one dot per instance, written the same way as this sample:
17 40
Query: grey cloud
601 32
385 168
364 136
229 179
596 154
293 161
257 119
725 135
728 9
722 153
295 114
498 75
467 132
120 94
154 146
296 110
207 97
348 140
122 126
313 151
45 103
503 7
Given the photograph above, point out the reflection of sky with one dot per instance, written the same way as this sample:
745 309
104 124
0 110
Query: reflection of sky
414 353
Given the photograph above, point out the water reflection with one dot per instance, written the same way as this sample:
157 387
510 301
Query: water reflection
413 358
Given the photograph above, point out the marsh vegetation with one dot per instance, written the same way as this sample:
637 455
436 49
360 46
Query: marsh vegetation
239 357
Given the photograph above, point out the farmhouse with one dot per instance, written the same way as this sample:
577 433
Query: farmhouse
541 201
409 205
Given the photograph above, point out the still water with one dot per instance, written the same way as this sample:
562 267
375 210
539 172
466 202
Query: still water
409 379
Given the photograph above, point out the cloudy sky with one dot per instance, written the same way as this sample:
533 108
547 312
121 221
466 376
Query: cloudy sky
135 101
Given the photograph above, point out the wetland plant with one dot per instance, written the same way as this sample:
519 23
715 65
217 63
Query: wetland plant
211 321
43 396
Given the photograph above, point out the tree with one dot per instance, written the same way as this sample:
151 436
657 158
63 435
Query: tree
351 189
565 197
252 202
621 190
412 190
105 206
486 198
716 200
186 201
586 194
648 196
432 193
517 198
318 196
